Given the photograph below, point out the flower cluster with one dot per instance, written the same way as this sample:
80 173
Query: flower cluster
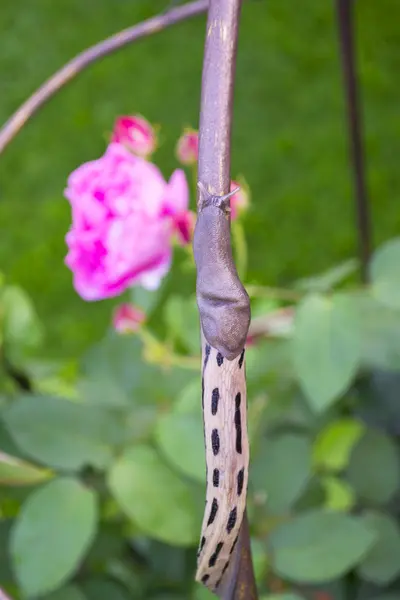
126 216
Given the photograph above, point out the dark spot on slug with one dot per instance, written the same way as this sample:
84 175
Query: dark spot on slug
234 544
215 441
216 478
231 520
203 541
240 481
213 512
213 557
238 424
241 359
207 355
220 359
205 578
214 401
202 392
238 400
223 573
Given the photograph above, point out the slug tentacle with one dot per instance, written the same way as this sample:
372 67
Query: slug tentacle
227 458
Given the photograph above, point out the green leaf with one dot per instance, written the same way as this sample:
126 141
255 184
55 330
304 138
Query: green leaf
103 392
189 400
69 592
117 363
380 333
282 470
146 299
326 346
339 495
319 546
52 534
154 497
14 471
334 443
62 434
102 588
260 560
6 574
385 274
181 439
21 327
381 565
202 593
329 279
374 468
182 320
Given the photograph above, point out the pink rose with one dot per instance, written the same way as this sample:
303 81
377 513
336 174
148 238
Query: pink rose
239 201
187 148
127 318
124 216
184 227
136 134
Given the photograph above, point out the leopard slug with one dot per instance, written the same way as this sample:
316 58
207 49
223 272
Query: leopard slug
224 309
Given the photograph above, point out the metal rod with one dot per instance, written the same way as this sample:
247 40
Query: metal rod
344 9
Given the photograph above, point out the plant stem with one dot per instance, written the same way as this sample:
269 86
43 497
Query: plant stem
91 55
214 173
239 240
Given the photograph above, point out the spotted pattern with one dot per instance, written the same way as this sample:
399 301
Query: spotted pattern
214 401
241 359
207 355
224 410
234 544
214 556
231 520
215 441
238 423
213 511
216 478
240 481
203 541
223 573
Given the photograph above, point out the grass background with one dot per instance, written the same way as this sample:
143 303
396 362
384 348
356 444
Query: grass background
289 137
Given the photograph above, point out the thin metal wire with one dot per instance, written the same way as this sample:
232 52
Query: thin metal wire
345 20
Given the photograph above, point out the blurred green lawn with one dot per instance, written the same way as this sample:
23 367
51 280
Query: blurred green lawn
289 138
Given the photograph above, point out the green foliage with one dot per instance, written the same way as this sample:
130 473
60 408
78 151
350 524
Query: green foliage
385 276
62 434
381 564
19 472
331 544
20 329
284 476
154 497
374 468
326 347
53 532
102 464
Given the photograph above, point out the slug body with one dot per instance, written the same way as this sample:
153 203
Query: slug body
225 317
227 459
